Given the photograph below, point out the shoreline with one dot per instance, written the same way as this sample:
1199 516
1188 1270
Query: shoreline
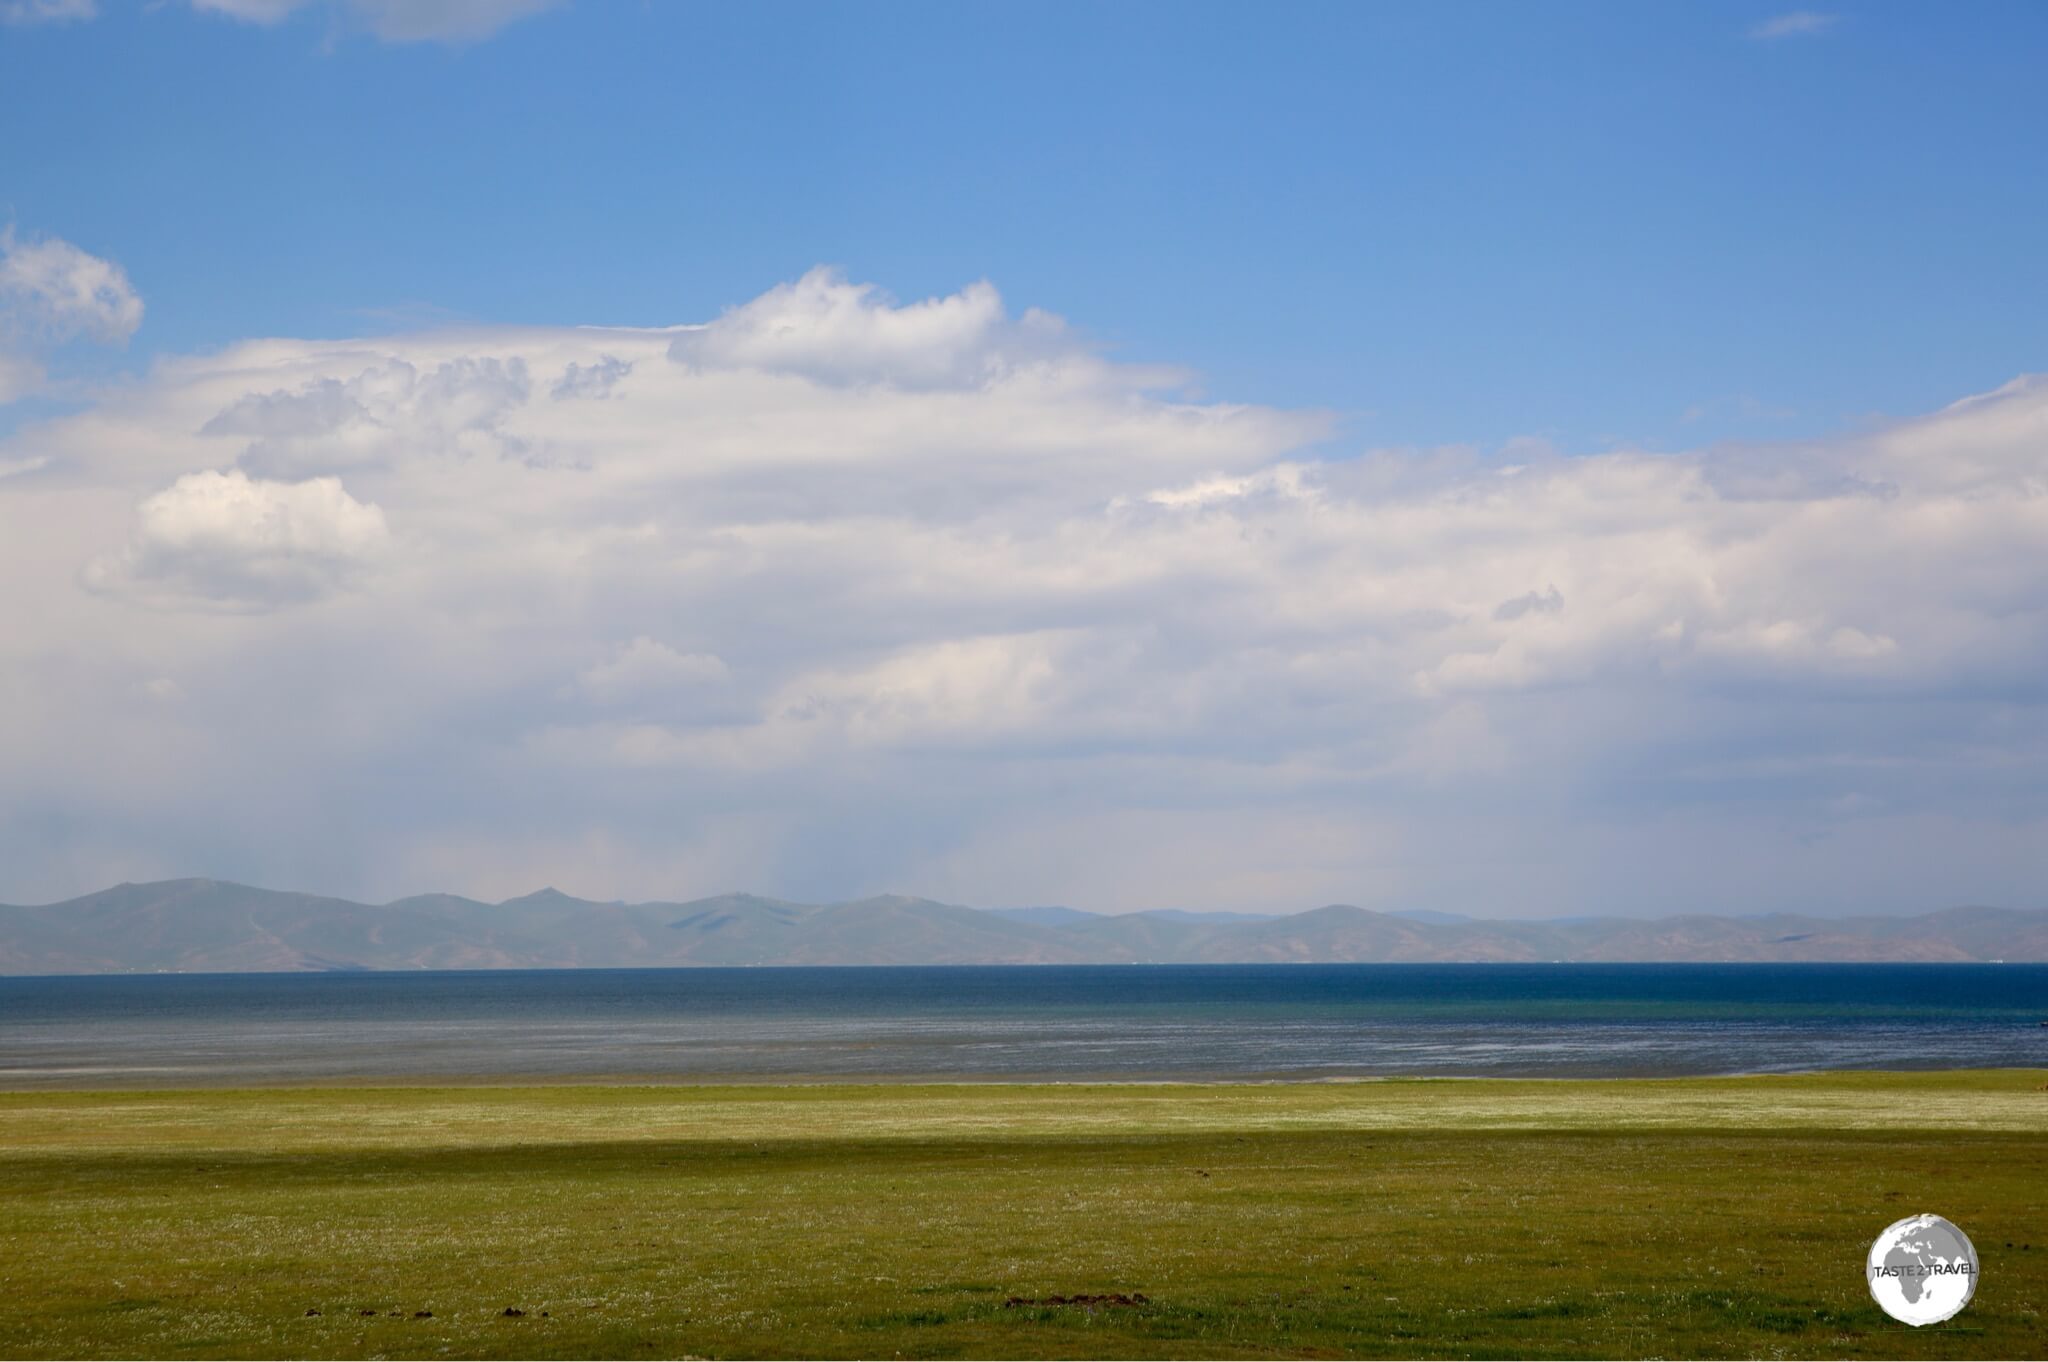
697 967
410 1082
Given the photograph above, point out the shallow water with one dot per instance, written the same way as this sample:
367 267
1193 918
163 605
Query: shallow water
1034 1022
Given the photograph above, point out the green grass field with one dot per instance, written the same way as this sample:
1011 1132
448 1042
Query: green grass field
1440 1219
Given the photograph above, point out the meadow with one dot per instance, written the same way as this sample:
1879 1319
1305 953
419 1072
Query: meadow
1458 1218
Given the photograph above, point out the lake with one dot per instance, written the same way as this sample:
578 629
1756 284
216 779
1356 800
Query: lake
1116 1022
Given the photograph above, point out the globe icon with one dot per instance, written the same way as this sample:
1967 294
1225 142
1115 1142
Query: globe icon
1922 1270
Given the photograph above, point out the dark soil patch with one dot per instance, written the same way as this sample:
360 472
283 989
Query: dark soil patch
1116 1300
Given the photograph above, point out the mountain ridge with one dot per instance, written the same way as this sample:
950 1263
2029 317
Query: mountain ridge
217 926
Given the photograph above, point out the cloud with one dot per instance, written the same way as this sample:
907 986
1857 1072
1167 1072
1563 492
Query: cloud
52 293
644 669
825 328
251 11
404 21
591 380
389 410
24 12
834 593
1799 23
1545 602
229 540
19 376
396 21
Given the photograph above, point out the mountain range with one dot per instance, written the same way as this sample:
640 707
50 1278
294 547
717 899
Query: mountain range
214 926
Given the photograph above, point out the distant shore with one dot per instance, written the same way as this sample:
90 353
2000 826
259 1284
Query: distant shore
196 925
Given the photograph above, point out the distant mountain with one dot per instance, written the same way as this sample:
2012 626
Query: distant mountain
1429 915
1044 917
212 926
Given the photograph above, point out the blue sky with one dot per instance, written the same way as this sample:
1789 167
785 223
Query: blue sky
1603 224
1508 459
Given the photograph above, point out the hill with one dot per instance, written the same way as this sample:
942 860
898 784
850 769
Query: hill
214 926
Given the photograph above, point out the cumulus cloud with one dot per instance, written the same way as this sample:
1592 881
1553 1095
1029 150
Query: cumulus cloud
51 292
226 539
834 593
824 328
591 380
396 21
390 410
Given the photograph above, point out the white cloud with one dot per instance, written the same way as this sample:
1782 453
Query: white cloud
52 289
937 598
51 292
390 410
47 11
645 669
825 328
396 21
19 376
229 540
594 381
1799 23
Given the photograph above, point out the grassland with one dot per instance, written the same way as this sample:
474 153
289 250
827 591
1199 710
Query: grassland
1438 1219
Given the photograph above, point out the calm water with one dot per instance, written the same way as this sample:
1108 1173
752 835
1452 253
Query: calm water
1130 1022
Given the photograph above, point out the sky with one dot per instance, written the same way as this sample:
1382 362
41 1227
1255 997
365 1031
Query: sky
1504 459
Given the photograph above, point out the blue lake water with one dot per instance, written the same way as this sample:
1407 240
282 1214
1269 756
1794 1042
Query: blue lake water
1041 1022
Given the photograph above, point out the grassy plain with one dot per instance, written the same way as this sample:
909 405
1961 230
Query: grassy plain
1471 1218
